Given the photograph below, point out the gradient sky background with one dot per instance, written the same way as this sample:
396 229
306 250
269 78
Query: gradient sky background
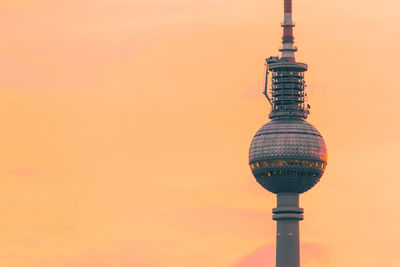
126 127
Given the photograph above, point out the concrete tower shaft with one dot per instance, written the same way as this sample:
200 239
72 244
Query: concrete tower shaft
287 214
288 48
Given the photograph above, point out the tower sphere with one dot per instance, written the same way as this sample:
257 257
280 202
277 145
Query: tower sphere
288 155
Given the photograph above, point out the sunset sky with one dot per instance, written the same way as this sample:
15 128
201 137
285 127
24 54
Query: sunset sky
126 126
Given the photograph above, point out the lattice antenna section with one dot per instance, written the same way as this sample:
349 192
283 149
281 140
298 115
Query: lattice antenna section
287 88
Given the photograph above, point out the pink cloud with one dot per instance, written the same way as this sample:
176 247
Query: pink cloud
28 242
128 254
25 171
265 256
222 220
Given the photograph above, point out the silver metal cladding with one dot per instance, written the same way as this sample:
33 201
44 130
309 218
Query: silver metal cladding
288 155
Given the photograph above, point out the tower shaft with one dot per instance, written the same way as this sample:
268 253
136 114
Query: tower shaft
288 214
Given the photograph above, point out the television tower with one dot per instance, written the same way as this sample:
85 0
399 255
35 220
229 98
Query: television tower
288 155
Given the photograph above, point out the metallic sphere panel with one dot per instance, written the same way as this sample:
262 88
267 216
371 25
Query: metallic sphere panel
288 155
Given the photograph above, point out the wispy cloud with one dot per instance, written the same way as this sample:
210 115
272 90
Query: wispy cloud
129 254
24 171
311 253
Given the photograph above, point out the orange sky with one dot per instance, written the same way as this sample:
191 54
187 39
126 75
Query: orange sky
126 126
